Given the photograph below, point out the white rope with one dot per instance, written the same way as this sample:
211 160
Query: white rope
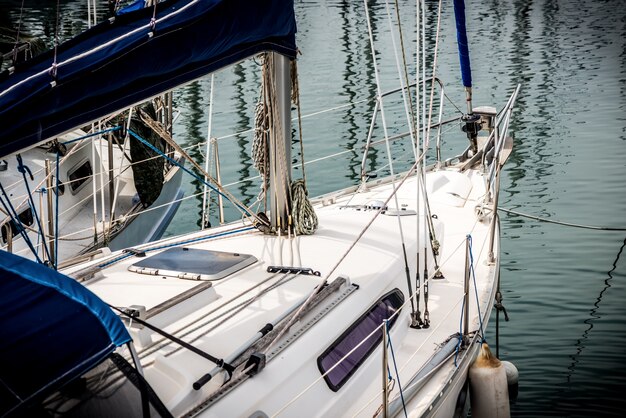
260 143
303 215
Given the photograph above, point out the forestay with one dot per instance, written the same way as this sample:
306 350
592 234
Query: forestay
132 57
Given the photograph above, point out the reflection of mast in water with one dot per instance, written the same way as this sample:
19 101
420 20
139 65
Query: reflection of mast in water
357 19
353 21
593 315
244 123
520 72
192 97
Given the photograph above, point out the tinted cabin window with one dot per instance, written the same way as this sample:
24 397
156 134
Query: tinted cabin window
79 176
358 331
25 217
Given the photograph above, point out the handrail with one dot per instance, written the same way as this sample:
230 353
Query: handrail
369 143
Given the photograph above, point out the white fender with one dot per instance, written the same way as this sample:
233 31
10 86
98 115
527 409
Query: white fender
489 394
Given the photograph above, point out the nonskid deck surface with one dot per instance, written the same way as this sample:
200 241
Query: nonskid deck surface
219 315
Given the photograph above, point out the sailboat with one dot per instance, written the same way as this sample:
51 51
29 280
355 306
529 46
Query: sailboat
368 301
90 190
99 201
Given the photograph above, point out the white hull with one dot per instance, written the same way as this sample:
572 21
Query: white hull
133 224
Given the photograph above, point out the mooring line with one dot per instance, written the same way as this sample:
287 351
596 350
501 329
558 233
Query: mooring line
537 218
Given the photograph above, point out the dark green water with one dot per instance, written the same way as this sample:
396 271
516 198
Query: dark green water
564 288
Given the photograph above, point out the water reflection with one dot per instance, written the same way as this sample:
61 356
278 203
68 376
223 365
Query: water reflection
192 121
568 161
244 97
357 82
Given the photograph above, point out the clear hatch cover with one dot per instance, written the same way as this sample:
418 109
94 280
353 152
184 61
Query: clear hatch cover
193 263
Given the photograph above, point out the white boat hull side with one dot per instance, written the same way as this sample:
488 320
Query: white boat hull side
150 224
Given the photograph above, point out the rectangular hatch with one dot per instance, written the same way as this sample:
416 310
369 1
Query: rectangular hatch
191 263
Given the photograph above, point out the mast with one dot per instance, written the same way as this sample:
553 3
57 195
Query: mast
280 141
471 121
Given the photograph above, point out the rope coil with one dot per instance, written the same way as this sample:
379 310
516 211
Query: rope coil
303 216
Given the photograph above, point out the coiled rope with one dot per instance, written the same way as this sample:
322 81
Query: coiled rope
303 216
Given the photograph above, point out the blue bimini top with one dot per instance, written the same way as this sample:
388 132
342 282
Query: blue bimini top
52 330
133 57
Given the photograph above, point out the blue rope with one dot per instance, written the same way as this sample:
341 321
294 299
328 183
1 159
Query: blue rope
80 138
186 170
23 169
16 221
480 317
458 346
56 218
161 247
395 366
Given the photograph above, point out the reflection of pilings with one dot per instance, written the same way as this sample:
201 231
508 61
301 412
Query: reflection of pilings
193 98
244 123
209 143
368 64
350 86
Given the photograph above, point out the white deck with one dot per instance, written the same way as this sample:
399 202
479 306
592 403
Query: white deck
375 265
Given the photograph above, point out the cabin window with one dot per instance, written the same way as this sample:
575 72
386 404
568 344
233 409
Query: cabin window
9 227
357 332
79 176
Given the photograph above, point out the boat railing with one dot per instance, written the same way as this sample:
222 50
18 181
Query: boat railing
500 132
369 143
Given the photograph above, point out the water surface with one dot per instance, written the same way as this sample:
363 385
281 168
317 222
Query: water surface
564 287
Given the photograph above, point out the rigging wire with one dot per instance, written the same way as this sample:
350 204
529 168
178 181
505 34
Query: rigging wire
389 155
24 169
17 35
53 67
395 366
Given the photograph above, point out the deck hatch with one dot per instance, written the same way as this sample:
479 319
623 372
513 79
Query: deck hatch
191 263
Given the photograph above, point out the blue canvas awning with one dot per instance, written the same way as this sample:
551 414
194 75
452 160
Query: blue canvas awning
129 59
52 330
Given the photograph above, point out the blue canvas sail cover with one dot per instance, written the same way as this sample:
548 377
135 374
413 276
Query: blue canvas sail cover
461 39
133 57
52 330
